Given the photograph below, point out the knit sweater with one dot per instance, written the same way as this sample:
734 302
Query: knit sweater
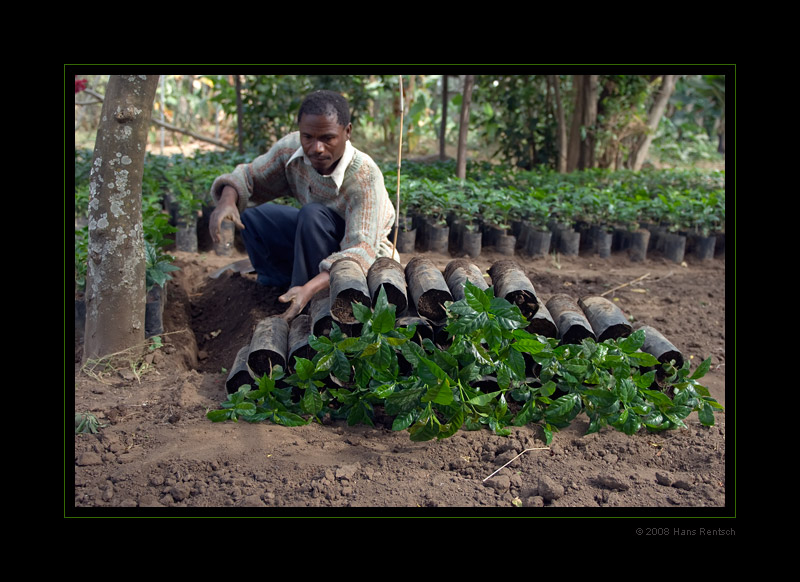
356 191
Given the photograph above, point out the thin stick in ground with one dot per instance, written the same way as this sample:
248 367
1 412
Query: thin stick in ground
514 459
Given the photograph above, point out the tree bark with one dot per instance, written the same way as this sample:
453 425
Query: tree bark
639 153
115 281
461 166
580 153
561 164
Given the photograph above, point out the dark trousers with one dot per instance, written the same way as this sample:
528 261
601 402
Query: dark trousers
286 244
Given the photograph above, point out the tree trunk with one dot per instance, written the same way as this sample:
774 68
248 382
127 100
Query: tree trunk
580 153
115 280
562 126
239 112
639 153
443 128
461 167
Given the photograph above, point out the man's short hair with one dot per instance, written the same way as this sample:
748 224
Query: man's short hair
326 103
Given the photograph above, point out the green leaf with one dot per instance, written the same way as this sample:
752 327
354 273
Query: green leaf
645 380
320 344
508 316
702 369
548 434
484 399
289 419
371 349
562 407
476 298
218 415
426 428
351 345
706 414
412 352
439 393
362 374
404 420
643 359
359 414
468 324
383 319
453 425
311 403
529 345
245 408
632 424
625 390
493 334
633 342
361 312
325 361
341 367
527 414
430 373
404 400
304 368
661 400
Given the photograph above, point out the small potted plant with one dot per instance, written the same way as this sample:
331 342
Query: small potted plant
157 273
81 245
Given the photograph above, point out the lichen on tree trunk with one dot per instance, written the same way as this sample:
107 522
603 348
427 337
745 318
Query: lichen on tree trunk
115 281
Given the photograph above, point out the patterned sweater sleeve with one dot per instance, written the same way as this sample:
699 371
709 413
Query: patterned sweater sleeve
261 180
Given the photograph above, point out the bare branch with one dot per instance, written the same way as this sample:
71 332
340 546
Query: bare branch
163 124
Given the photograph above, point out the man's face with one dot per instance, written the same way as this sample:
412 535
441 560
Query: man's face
323 141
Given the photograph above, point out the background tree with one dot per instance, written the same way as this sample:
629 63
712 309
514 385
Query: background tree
561 124
463 128
269 103
697 108
115 279
443 122
517 119
643 141
582 136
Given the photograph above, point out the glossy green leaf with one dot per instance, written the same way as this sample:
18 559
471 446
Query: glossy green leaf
361 312
702 369
633 342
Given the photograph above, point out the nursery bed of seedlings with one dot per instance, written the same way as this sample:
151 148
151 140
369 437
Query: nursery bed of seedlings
155 447
478 364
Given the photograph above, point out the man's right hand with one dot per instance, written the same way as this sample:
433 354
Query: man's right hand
226 209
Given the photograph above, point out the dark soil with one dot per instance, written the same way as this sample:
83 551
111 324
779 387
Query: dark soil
157 453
